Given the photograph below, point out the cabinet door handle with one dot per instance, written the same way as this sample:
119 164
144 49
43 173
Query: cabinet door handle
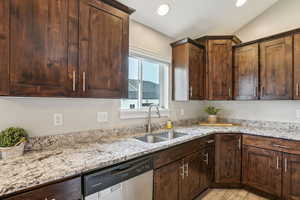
229 92
262 91
210 141
285 165
191 91
240 144
74 81
182 173
187 169
206 158
277 162
297 89
83 84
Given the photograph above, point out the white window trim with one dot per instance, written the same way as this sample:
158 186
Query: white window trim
143 112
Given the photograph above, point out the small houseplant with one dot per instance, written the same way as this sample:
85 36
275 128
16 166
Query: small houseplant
212 113
12 142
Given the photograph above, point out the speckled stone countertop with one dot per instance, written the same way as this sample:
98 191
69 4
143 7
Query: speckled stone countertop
38 167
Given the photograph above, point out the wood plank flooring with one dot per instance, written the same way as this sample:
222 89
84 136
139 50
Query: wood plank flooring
229 194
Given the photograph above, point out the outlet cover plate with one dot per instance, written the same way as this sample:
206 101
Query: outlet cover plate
102 117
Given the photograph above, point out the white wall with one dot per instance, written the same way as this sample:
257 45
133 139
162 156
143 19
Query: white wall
282 16
36 114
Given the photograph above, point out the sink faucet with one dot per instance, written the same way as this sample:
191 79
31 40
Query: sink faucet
149 129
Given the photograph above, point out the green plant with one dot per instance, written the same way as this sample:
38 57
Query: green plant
211 110
12 136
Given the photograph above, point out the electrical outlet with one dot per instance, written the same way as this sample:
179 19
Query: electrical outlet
102 117
181 111
58 119
298 114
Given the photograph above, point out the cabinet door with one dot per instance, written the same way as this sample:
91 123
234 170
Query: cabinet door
103 58
297 66
166 182
207 168
228 158
246 72
219 69
4 47
190 184
70 190
39 47
262 169
291 177
196 72
276 59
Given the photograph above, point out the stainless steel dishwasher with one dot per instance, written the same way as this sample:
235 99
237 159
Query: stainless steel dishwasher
129 181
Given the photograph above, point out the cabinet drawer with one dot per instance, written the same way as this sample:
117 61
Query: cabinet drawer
288 146
70 190
167 156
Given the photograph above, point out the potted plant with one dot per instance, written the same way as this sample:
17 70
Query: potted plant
212 113
12 142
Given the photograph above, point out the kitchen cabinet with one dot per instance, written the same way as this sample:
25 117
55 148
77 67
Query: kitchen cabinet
188 70
276 66
246 72
262 169
39 47
103 50
70 190
182 176
49 49
207 168
228 158
218 77
4 46
291 177
297 66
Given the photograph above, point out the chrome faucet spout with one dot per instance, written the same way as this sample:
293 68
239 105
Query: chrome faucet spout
149 126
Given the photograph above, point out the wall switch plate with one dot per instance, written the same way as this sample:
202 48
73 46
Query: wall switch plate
58 119
102 116
181 111
298 114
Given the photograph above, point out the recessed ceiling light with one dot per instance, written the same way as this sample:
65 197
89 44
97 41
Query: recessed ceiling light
163 9
240 3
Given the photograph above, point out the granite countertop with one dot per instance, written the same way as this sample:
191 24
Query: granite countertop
38 167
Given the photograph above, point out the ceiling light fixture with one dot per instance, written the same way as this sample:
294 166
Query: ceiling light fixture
240 3
163 9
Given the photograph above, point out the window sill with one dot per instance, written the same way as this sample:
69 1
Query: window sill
142 114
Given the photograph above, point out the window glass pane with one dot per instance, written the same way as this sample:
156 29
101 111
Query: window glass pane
151 83
133 85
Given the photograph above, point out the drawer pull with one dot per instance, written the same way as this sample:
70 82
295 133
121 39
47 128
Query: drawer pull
277 162
187 169
280 146
285 165
182 171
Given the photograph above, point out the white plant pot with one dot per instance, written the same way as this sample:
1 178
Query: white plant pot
12 152
212 119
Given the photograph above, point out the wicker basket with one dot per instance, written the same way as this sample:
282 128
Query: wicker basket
12 152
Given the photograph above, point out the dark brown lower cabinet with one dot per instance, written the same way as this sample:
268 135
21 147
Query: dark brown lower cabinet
166 181
291 177
207 168
228 159
68 190
262 170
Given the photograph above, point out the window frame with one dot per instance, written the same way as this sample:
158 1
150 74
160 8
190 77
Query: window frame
164 79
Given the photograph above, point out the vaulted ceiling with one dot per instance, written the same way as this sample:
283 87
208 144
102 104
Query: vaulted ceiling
192 18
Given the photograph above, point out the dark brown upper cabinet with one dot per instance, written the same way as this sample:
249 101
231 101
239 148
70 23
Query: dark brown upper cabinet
276 66
4 46
47 53
188 70
103 50
262 169
219 82
297 66
228 155
291 176
246 72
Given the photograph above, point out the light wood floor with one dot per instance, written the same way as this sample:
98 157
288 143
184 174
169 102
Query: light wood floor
230 194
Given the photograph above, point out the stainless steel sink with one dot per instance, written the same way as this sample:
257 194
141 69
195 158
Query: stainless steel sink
160 137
